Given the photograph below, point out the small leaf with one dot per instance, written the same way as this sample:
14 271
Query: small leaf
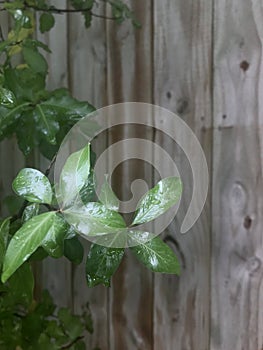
30 211
102 262
73 250
108 197
35 60
32 185
158 200
7 98
74 176
47 21
155 255
27 239
94 219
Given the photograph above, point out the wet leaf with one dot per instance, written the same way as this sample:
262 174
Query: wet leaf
102 262
158 200
28 238
94 219
108 197
74 176
155 254
32 185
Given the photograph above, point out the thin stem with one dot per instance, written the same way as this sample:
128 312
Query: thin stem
60 10
47 172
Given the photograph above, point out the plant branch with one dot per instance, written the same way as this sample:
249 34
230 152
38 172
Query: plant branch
56 10
67 346
47 172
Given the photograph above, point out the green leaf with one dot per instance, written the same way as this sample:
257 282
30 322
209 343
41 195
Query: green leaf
27 239
30 211
73 250
158 200
102 262
46 124
24 83
35 60
26 122
66 108
71 323
21 285
4 232
88 192
108 197
9 118
74 176
7 98
47 21
94 219
155 255
32 185
53 242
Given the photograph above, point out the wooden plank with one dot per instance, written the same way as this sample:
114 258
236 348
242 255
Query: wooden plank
130 79
56 274
237 269
182 66
87 57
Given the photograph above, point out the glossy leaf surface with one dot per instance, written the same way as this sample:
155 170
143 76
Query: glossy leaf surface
158 200
156 255
28 238
94 218
108 197
102 262
74 175
34 186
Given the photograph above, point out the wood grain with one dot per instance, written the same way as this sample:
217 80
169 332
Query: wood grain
56 274
237 268
182 66
87 70
130 79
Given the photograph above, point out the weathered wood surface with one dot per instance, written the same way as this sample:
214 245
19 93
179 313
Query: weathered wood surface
182 66
129 67
87 71
57 274
237 255
202 60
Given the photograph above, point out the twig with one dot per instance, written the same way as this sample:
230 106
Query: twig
60 10
47 172
67 346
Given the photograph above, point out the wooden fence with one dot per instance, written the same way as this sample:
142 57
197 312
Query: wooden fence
201 59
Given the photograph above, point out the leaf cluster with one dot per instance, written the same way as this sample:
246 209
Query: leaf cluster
55 232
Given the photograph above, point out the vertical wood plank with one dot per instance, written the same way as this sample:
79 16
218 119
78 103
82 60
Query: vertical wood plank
237 269
87 69
56 274
182 66
130 79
